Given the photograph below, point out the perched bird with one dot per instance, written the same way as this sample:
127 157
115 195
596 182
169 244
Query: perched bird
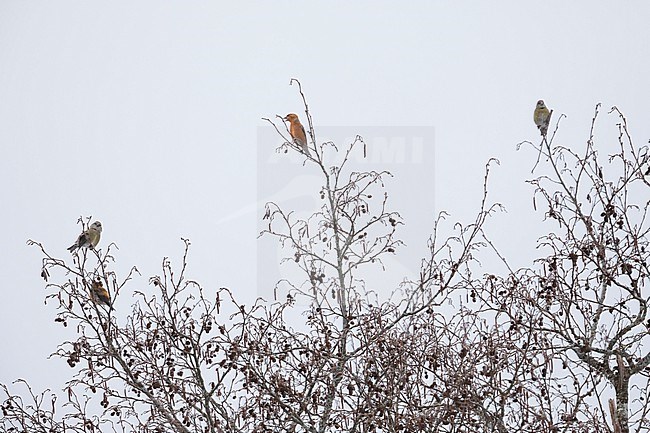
99 294
542 117
297 132
89 238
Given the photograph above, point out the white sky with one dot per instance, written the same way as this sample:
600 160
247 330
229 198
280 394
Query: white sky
146 115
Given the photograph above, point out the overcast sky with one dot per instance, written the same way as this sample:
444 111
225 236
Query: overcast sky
147 116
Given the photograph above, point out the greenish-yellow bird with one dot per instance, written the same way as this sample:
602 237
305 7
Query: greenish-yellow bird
542 117
89 238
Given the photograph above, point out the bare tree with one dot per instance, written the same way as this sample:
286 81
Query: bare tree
457 349
164 369
584 301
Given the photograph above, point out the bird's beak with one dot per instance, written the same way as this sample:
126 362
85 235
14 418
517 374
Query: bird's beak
285 118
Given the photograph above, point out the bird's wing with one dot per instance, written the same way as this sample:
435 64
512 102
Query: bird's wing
82 239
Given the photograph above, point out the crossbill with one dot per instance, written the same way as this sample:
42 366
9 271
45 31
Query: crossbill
542 117
88 238
297 132
98 293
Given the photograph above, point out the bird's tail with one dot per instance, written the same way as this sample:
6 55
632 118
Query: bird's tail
544 128
302 146
72 248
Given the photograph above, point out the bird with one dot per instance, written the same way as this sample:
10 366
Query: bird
542 117
297 132
99 294
88 238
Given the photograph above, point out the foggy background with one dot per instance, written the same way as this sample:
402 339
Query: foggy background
147 116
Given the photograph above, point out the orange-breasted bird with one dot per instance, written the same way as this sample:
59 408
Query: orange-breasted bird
99 294
297 132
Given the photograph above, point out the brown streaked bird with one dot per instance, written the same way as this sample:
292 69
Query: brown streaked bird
99 294
88 238
297 132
